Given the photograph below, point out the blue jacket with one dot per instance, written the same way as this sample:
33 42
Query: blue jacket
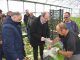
72 26
13 46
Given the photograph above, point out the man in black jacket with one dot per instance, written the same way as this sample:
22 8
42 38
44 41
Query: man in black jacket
39 28
26 16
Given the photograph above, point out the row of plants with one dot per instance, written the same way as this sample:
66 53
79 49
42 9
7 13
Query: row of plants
77 20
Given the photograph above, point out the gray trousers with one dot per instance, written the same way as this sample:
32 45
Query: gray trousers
74 57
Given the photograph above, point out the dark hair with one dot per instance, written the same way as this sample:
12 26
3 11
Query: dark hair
3 15
0 11
68 13
16 13
43 14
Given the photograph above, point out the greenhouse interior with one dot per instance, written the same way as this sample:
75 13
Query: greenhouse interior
39 29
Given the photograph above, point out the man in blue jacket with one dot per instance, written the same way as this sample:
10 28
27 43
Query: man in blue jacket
13 46
71 25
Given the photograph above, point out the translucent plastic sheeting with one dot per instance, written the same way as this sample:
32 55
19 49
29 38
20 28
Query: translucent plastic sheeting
65 3
3 6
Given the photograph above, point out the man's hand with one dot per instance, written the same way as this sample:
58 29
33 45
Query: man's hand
46 39
17 59
49 47
56 40
67 54
55 50
43 39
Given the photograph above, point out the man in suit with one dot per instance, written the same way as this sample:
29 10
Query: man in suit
38 29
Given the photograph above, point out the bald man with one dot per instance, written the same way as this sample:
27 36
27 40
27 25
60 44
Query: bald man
39 28
70 52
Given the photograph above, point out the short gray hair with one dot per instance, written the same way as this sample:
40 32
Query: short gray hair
44 13
16 13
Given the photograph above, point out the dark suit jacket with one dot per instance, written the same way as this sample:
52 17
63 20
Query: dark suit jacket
38 30
26 19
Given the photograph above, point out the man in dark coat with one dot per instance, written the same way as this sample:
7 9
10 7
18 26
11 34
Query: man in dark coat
31 18
26 16
39 28
13 46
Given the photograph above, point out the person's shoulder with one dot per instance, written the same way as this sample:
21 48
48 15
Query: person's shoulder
35 22
8 26
73 22
7 20
37 19
72 34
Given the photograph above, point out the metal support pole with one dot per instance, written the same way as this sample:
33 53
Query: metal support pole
7 5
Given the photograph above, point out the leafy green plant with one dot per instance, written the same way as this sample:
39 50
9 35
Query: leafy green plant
77 20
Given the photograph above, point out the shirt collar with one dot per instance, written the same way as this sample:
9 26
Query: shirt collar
42 21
